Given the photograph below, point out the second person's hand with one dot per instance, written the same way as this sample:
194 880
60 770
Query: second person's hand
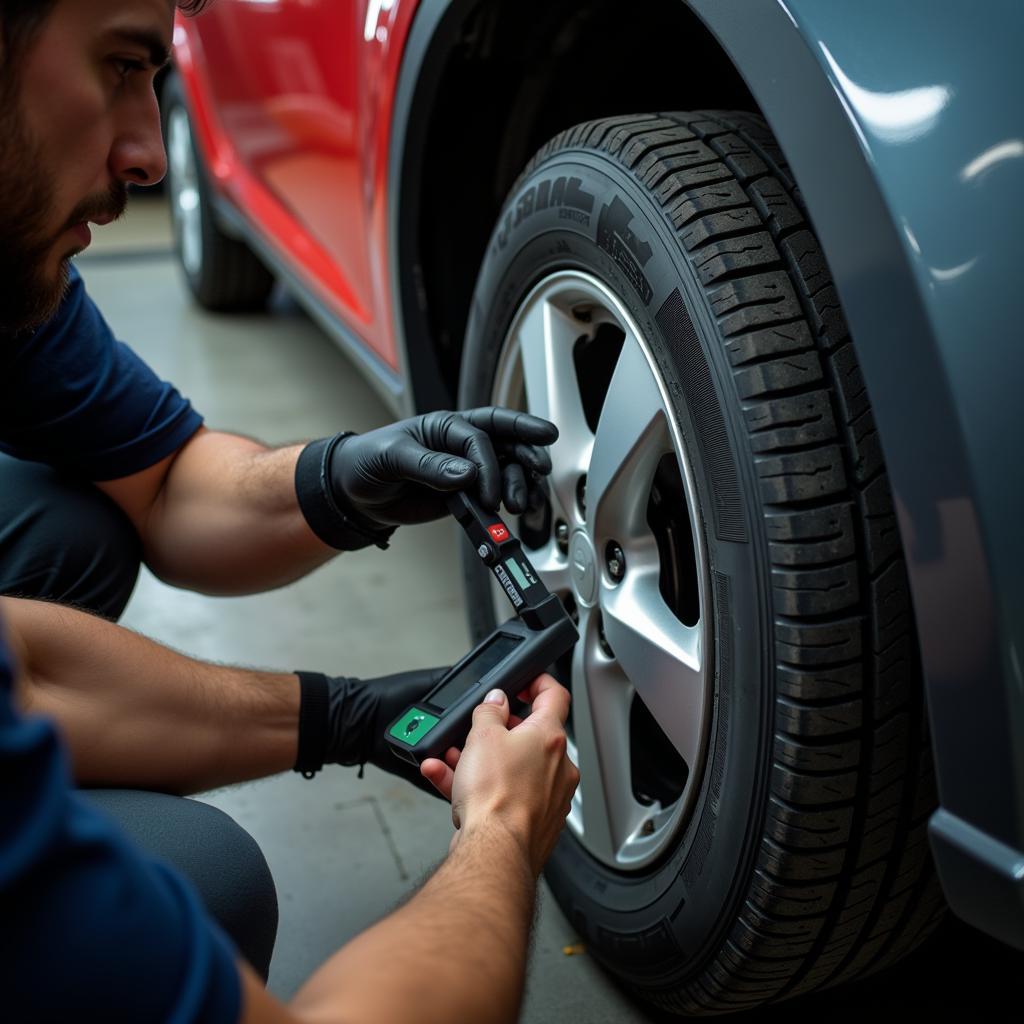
400 473
360 710
517 778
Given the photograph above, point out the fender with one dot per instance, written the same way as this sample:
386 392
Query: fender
908 150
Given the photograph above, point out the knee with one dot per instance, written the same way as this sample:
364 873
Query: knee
64 540
238 888
221 860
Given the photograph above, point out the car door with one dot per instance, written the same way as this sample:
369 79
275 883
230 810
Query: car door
286 84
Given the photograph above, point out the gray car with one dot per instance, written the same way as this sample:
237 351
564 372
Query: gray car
756 259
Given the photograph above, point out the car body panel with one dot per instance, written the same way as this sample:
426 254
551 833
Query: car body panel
292 108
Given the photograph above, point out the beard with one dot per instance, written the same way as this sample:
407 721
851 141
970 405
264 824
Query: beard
30 291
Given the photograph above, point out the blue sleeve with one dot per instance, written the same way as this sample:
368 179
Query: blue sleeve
73 396
90 928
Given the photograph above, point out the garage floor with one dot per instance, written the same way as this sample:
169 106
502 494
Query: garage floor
343 850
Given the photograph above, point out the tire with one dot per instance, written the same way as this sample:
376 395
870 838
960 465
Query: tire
223 273
795 855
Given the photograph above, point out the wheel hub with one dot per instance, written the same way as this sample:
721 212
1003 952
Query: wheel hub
583 569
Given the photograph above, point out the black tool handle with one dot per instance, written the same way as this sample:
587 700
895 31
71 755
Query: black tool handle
502 553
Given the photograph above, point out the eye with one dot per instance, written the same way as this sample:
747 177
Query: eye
126 65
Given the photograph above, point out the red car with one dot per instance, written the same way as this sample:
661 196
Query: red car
482 202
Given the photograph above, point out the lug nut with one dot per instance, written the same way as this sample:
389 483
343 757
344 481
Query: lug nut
648 827
581 494
562 537
615 561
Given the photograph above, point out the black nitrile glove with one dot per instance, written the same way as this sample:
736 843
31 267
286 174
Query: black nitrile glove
355 488
348 726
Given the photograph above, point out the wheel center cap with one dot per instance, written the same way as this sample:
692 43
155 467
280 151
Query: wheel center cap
583 568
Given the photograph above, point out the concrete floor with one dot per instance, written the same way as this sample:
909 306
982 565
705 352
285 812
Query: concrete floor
344 851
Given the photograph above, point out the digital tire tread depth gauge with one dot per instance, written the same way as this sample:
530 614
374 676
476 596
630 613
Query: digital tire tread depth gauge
509 659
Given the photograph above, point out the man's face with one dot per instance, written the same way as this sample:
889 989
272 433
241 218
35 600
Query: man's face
78 121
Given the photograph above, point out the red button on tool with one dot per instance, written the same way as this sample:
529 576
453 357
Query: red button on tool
498 532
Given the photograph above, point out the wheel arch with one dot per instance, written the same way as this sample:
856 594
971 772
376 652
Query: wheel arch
482 87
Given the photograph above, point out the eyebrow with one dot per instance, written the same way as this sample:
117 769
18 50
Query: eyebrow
159 52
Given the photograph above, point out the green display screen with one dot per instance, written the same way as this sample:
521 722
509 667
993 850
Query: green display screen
413 725
517 572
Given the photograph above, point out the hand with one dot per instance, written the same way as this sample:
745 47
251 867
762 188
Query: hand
399 474
359 710
518 777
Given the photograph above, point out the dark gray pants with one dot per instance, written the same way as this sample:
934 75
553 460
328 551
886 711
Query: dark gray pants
65 541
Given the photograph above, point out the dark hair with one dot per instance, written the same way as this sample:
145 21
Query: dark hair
21 19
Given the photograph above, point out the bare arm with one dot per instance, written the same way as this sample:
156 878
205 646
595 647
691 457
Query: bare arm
457 951
138 714
221 516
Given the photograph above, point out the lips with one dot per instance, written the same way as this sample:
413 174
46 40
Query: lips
82 233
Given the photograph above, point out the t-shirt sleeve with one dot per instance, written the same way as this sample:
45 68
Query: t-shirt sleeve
90 927
77 398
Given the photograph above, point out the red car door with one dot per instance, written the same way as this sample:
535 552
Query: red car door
285 78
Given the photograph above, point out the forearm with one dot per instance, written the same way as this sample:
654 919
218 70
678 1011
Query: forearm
455 952
227 520
134 713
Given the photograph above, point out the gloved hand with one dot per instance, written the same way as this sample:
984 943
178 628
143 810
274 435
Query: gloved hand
357 713
400 473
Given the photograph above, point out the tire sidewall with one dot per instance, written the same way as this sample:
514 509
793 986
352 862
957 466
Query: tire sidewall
655 926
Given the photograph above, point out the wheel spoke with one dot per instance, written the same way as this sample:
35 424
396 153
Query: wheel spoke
546 339
601 702
661 656
632 435
553 567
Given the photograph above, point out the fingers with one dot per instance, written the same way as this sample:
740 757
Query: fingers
536 460
510 425
549 698
443 471
493 712
478 436
453 433
439 775
514 491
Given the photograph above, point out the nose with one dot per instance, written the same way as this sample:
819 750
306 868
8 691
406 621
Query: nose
137 155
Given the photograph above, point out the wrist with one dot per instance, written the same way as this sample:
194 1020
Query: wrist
501 826
329 514
314 710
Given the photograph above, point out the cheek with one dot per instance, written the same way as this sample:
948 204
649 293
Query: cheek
81 154
71 126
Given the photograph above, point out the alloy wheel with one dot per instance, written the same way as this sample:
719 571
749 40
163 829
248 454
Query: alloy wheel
184 189
621 543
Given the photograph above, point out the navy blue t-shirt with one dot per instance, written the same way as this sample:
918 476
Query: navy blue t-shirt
90 927
75 397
